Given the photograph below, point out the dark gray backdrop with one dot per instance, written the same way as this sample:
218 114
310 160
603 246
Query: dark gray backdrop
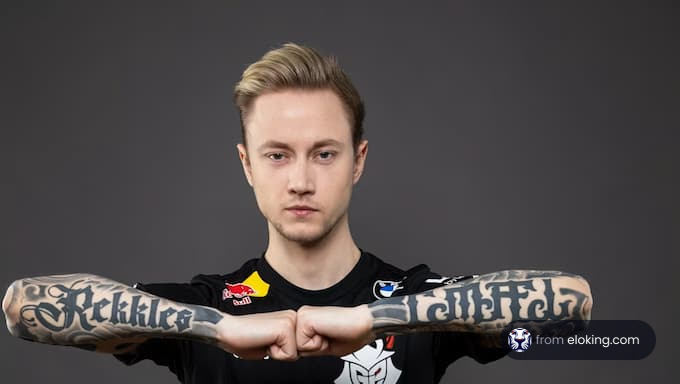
501 135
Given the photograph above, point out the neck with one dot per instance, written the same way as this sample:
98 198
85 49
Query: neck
314 266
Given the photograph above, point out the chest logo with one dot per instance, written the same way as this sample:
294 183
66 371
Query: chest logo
241 293
369 365
386 288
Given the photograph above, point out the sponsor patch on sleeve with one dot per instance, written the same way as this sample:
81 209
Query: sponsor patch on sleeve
445 280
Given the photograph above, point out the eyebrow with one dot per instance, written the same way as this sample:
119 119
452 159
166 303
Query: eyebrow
282 145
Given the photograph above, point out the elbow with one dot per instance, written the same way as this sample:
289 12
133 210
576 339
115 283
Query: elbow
11 309
588 304
584 303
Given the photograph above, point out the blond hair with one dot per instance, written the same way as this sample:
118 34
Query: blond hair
294 66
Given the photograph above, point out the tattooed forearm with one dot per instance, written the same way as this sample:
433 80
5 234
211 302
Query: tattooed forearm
487 303
95 313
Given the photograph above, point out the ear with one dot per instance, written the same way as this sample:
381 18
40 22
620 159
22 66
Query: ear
245 163
360 160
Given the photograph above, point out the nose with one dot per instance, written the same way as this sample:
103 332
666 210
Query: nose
301 178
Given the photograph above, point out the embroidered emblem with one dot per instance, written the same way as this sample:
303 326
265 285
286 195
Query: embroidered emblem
386 288
241 293
370 364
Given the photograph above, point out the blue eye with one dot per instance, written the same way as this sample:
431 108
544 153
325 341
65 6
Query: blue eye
325 155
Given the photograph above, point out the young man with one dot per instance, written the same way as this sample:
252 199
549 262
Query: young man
315 298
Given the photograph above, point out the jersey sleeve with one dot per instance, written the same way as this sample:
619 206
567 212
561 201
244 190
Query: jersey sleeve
168 352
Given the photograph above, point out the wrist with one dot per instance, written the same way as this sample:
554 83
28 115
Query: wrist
219 335
362 315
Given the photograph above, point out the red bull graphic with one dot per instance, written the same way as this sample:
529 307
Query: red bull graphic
241 293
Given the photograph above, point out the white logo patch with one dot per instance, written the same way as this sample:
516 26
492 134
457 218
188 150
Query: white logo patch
449 280
369 365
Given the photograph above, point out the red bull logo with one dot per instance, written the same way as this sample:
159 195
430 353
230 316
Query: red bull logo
241 293
238 291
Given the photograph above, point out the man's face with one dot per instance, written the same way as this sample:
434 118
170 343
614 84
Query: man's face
301 162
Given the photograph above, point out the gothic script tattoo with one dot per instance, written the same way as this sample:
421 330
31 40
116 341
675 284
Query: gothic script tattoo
100 314
486 303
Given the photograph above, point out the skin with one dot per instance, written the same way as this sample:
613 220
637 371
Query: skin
36 310
302 166
550 296
300 153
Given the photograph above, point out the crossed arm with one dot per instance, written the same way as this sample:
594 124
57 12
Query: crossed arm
99 314
484 305
96 313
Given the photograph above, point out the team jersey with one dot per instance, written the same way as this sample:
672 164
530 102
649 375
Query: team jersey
256 287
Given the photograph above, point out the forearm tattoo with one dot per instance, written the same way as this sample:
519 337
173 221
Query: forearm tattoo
486 303
96 313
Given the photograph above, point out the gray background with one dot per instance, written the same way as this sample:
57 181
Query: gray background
502 135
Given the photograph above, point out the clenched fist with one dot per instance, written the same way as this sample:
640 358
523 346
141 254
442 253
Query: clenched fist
259 335
333 330
286 335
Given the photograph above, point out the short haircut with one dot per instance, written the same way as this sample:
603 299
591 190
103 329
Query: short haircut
298 67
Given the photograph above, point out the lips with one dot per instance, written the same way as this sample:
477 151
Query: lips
301 210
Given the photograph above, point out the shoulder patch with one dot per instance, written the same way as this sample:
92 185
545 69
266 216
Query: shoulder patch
444 280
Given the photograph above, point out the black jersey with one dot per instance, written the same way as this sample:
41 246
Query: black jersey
256 288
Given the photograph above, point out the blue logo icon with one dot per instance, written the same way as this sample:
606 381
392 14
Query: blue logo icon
386 288
519 339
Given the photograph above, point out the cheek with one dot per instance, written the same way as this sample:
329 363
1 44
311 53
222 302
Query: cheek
265 176
339 182
266 185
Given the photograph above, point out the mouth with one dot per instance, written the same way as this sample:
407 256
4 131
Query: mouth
301 210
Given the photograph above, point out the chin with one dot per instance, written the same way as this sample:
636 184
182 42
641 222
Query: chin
305 236
308 238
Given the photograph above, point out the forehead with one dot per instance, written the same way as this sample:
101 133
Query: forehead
297 116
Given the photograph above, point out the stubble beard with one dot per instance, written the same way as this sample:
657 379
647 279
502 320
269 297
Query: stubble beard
308 239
